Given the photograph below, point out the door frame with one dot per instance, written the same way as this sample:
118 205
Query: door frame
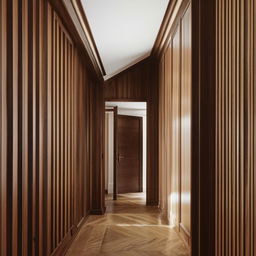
115 155
140 152
150 180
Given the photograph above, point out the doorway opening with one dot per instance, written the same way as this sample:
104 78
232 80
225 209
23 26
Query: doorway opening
125 149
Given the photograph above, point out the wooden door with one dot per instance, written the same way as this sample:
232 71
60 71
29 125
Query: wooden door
129 172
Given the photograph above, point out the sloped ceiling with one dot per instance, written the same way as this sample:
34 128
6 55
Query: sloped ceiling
124 30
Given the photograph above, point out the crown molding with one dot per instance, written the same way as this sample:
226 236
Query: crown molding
86 27
72 13
175 10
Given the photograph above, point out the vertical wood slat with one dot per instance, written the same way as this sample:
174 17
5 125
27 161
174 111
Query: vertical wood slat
61 106
50 84
38 127
33 128
3 128
235 57
24 67
68 137
57 133
74 155
12 121
42 126
54 163
65 138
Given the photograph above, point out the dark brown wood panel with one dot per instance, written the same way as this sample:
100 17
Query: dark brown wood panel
47 131
129 171
3 128
132 84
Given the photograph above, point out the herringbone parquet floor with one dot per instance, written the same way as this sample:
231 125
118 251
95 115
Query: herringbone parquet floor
129 228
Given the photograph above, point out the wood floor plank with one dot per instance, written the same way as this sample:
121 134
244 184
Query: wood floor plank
129 227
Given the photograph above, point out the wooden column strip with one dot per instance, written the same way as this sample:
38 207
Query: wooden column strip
50 170
25 74
3 127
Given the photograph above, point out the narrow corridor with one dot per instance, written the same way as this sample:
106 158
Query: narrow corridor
128 228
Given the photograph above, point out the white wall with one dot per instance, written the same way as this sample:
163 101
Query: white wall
109 151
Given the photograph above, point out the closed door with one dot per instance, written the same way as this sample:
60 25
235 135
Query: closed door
129 171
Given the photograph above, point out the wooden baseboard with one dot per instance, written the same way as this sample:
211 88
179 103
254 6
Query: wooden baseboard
63 247
152 203
98 211
185 234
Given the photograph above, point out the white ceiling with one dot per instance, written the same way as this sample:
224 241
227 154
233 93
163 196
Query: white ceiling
124 30
127 105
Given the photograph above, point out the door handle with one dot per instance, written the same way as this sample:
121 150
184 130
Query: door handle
120 157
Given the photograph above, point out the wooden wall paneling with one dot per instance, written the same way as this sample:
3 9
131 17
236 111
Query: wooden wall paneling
169 76
57 132
54 125
235 128
164 122
74 119
36 128
31 150
42 127
253 63
68 144
41 202
12 126
98 187
72 137
250 184
76 163
152 134
3 127
49 84
131 84
23 65
203 128
185 168
80 153
176 126
61 170
160 128
66 137
223 124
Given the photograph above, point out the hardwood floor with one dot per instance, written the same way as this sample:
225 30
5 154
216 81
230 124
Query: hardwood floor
129 228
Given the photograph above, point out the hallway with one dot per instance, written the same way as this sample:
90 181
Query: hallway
178 83
129 228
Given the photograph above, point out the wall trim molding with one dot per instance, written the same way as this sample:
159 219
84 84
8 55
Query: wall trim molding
74 19
171 19
91 47
185 234
98 211
69 238
152 203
